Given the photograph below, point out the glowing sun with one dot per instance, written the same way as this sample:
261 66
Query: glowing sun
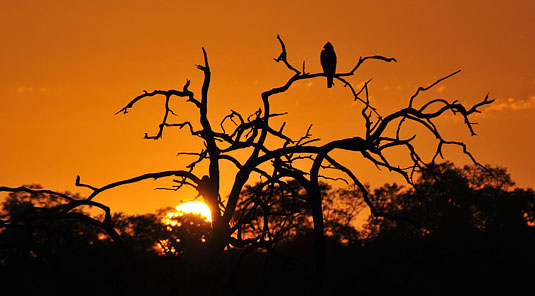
193 207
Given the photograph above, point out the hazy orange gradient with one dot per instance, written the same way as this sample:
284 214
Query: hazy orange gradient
67 66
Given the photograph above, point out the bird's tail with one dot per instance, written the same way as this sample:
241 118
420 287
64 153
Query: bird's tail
330 81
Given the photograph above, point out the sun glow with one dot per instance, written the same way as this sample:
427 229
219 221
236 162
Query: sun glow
193 207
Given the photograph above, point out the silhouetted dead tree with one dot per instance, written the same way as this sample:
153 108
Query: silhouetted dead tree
253 132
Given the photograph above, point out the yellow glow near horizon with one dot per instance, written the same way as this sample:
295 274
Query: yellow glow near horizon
193 207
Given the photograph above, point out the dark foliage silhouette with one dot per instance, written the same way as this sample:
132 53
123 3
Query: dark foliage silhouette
462 232
449 200
45 249
468 230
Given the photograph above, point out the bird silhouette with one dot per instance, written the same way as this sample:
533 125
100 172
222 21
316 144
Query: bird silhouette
328 62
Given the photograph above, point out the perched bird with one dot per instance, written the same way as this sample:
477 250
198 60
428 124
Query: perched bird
328 62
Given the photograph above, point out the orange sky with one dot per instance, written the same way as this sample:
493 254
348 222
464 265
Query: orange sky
67 66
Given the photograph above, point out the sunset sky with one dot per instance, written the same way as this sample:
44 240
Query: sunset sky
67 66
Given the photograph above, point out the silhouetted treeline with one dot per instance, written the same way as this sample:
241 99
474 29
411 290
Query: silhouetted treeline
457 228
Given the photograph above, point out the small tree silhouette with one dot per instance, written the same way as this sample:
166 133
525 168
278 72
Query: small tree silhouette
446 199
251 134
